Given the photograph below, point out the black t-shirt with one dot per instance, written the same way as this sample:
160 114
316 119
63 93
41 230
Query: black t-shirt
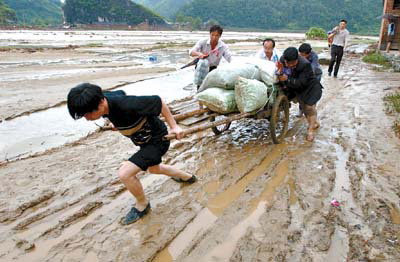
136 117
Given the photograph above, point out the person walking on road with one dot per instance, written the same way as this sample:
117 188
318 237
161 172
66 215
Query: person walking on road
341 37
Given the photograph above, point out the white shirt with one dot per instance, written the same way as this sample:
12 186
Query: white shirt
276 55
341 38
214 58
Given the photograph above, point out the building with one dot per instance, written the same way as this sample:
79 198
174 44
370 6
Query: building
391 8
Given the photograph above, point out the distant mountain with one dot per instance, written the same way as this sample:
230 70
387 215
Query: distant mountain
166 8
108 11
37 12
288 15
7 15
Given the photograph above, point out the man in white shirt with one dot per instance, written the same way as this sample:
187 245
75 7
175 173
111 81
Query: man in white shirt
268 52
211 49
341 37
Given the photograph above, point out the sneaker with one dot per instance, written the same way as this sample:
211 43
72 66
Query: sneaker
335 76
329 73
189 181
134 215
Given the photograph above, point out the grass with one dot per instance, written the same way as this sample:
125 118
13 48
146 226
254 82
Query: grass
94 45
394 101
377 59
393 107
316 33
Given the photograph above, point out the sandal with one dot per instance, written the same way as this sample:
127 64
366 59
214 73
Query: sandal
134 215
189 181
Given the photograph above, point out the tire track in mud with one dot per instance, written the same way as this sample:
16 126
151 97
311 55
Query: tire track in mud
215 207
182 148
253 200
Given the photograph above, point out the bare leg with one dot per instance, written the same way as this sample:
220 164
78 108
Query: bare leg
127 173
388 47
311 116
169 171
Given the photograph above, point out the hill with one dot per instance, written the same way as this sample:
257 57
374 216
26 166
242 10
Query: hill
108 11
37 12
166 8
7 15
288 15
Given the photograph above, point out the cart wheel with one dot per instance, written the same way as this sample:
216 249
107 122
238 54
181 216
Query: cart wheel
219 129
279 119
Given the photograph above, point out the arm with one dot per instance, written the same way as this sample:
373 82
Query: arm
333 32
314 62
346 40
175 129
227 54
196 50
302 80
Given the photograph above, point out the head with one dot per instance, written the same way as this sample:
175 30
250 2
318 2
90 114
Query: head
269 45
305 50
342 24
215 33
291 55
86 100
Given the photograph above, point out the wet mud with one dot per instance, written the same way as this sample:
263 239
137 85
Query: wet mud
254 201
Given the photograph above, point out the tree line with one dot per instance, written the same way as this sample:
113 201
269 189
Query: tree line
288 15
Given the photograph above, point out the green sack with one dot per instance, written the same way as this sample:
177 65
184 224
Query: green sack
250 94
225 76
218 100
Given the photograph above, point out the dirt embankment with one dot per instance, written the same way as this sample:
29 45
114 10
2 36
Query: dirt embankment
254 201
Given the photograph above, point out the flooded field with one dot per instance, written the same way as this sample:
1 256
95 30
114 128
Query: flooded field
61 200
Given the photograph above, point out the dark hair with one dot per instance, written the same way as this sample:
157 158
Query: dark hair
84 98
305 48
269 40
343 20
290 54
216 28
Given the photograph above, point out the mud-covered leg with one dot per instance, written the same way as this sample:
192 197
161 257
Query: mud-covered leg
170 171
311 116
127 173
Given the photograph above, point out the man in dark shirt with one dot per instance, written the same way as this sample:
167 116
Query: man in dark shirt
306 51
297 76
135 117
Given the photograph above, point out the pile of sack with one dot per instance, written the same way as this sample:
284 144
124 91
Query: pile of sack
241 86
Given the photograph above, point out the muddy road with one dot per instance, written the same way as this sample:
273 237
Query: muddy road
254 201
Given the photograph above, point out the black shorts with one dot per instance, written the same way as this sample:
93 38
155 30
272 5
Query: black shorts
311 95
150 154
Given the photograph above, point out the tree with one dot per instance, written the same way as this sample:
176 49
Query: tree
7 15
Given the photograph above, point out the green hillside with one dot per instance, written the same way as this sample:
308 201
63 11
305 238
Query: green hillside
289 15
7 15
166 8
108 11
37 12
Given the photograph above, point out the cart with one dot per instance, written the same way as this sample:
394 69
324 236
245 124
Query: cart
187 112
